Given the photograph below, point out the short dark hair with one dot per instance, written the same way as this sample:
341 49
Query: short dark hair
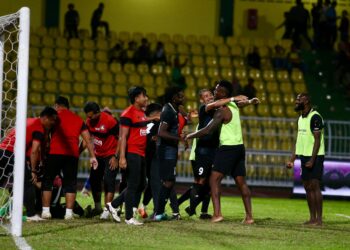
227 85
91 106
171 92
133 92
62 101
48 111
153 107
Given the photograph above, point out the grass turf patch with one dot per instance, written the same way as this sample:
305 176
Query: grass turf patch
278 225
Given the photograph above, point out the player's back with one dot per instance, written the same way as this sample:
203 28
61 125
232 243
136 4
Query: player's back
65 136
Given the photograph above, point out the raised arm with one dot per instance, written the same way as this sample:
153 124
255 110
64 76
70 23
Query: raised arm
222 102
247 102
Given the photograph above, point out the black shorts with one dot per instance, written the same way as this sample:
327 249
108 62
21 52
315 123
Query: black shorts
316 172
230 160
167 160
69 167
103 172
204 162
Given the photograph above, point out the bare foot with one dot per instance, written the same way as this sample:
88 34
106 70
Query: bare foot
318 223
310 222
247 221
217 219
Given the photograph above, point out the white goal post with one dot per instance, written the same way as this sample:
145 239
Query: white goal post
14 54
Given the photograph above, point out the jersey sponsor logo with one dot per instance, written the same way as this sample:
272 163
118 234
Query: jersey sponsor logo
143 132
101 128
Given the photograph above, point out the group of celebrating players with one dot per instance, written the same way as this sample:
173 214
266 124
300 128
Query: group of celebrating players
144 145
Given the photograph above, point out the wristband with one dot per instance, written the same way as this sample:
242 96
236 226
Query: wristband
232 99
116 156
249 101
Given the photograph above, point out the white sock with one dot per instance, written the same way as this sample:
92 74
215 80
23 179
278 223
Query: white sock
69 211
46 209
98 205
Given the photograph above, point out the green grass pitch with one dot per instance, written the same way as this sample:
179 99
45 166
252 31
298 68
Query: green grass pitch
278 226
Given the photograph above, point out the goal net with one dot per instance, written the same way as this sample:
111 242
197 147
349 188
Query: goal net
14 55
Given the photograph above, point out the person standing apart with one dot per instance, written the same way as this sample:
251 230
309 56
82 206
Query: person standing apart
310 149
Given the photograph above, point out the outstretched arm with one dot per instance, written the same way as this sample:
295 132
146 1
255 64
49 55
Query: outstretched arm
222 102
247 102
211 127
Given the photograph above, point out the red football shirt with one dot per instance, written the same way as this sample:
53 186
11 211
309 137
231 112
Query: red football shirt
105 133
182 122
34 132
65 136
135 120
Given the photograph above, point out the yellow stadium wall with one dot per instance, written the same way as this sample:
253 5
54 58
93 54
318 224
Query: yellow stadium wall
161 16
36 9
270 16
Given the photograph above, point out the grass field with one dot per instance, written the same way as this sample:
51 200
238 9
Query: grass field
278 226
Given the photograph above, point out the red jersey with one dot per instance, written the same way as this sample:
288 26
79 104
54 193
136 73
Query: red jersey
105 133
65 136
34 132
182 122
135 120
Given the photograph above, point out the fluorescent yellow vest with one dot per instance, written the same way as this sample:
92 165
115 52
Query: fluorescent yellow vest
305 138
231 133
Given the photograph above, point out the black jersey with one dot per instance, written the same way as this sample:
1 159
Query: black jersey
169 116
211 140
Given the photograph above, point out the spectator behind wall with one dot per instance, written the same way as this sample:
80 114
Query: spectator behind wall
117 54
344 27
288 26
236 86
300 19
97 22
176 76
159 55
143 53
253 58
249 89
71 22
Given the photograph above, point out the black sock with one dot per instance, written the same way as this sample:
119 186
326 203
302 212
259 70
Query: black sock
196 197
119 200
164 195
185 196
206 200
173 202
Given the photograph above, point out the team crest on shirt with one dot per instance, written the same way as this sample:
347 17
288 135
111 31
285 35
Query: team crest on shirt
101 128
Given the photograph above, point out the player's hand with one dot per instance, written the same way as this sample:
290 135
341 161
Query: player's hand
309 164
254 100
122 163
93 163
34 178
290 164
187 144
113 163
